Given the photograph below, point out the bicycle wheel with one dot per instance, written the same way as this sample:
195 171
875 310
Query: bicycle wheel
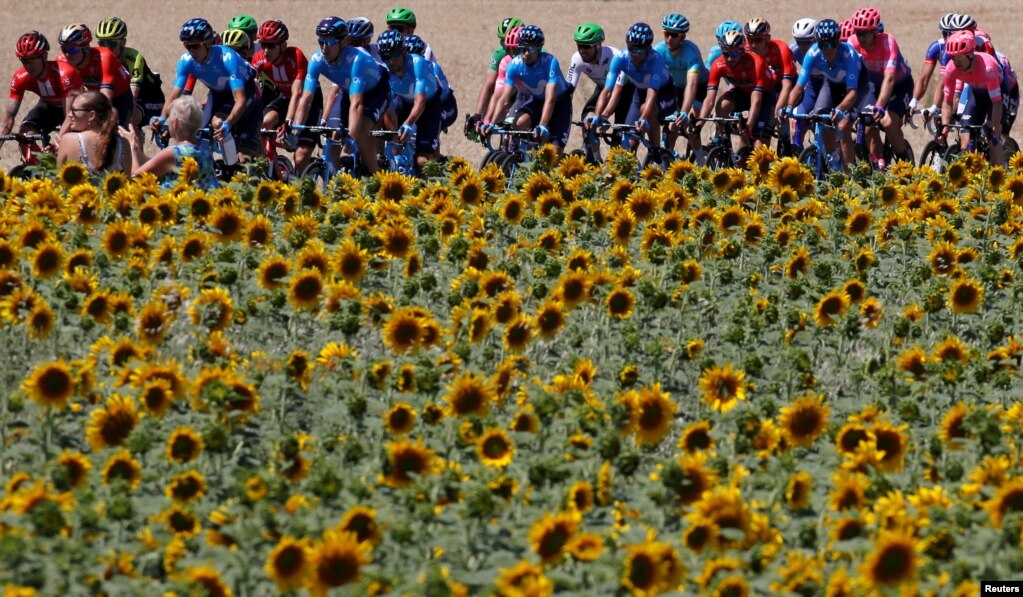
20 171
933 155
491 156
283 169
317 171
809 158
718 158
509 164
1011 148
891 156
952 153
742 157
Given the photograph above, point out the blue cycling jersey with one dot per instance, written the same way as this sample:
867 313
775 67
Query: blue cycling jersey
846 68
223 70
445 88
417 77
936 52
688 60
798 52
534 79
355 71
712 54
652 73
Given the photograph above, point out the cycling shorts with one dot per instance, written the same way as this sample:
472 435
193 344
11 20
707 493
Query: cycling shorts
561 120
898 103
246 130
44 118
279 106
624 102
765 118
428 125
374 104
667 103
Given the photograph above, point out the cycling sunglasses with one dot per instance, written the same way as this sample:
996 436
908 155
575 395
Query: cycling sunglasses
327 42
70 50
734 54
674 34
638 51
109 43
828 45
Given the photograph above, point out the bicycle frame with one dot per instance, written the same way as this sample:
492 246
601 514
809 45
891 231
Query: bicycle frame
401 157
822 161
326 157
719 151
27 148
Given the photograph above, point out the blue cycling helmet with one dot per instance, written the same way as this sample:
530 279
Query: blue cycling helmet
360 29
675 22
332 28
639 35
390 42
828 30
415 44
531 36
196 30
725 27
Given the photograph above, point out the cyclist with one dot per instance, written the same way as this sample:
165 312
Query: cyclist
545 100
233 105
286 66
890 82
593 59
778 57
448 103
935 54
752 88
688 73
56 83
403 20
362 84
846 29
491 78
415 96
146 85
249 25
360 35
655 97
802 39
983 74
99 68
512 50
830 82
719 34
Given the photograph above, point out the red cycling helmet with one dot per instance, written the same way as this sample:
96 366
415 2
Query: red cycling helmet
960 43
846 29
866 19
511 39
31 44
273 32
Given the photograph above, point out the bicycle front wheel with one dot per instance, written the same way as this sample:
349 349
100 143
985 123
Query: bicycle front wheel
509 163
317 171
1011 148
718 158
492 156
933 155
810 157
283 169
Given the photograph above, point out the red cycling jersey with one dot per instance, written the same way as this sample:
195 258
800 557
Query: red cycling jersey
60 80
291 68
751 74
102 69
780 61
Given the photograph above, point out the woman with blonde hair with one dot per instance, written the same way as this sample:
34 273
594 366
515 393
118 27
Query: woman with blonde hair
183 122
92 138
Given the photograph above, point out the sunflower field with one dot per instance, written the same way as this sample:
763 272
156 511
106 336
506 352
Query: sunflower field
588 381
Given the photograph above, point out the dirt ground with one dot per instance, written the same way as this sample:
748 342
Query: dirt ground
463 33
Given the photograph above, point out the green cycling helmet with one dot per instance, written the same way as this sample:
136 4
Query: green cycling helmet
244 22
236 39
112 28
401 16
589 34
507 25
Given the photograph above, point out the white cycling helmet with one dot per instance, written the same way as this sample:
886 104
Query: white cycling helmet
802 30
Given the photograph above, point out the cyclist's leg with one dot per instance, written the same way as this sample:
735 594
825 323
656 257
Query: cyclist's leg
872 136
898 105
526 111
1010 107
809 103
561 121
125 106
374 103
765 120
976 107
625 97
428 132
667 104
43 119
306 140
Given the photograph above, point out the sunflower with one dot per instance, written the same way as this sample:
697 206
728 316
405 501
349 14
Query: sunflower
153 322
50 384
894 561
227 224
518 334
799 490
122 467
393 186
550 318
363 522
650 414
406 459
696 438
40 320
855 290
75 468
469 394
402 332
965 296
186 487
620 302
1007 500
396 239
47 260
830 308
213 310
494 448
479 325
804 421
651 567
72 174
890 440
789 172
306 290
513 209
351 261
289 563
537 184
156 397
400 419
111 425
272 271
622 228
692 478
549 536
723 387
573 288
858 222
943 259
798 263
184 445
523 579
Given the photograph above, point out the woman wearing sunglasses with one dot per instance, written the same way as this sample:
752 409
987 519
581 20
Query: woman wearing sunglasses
93 139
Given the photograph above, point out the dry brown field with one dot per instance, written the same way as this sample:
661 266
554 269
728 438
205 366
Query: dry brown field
463 33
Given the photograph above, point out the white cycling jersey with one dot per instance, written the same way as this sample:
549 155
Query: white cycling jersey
596 72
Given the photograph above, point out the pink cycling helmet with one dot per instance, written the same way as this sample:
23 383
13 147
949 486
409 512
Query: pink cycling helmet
846 29
866 19
511 39
960 43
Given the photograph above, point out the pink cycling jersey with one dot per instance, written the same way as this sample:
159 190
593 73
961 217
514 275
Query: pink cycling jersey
501 68
884 58
984 74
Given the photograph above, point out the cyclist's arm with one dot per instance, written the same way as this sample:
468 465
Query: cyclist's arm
926 71
109 65
355 114
550 98
66 125
646 111
181 79
797 90
995 119
486 92
848 101
296 94
756 98
689 96
7 119
138 73
500 104
708 102
418 106
238 108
